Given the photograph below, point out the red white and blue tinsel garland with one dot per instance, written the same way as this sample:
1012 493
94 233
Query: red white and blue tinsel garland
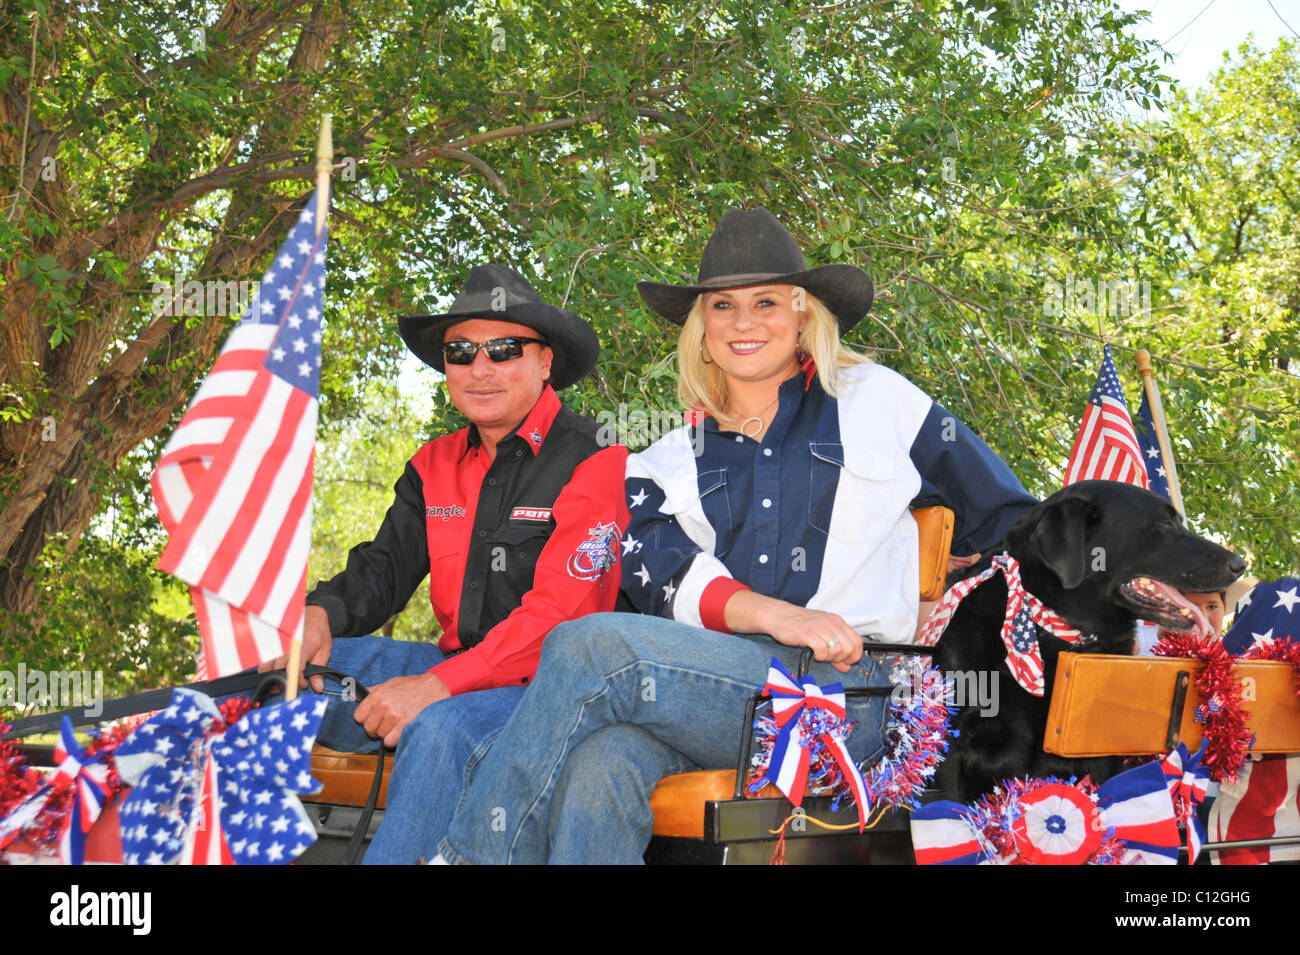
1128 819
915 742
1227 736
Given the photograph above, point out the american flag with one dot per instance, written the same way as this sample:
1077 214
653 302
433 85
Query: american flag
1152 459
1106 447
1264 802
233 486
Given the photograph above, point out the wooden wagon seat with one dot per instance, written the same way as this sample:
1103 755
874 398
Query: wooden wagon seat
678 801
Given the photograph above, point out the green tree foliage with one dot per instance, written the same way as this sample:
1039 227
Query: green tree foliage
1224 184
364 454
965 154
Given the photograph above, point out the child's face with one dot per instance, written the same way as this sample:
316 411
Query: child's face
1212 606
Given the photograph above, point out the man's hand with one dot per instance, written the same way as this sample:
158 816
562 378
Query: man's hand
831 639
394 703
317 644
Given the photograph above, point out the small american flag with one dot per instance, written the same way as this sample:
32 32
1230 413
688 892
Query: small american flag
233 486
1106 447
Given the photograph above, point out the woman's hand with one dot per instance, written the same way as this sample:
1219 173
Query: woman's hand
829 637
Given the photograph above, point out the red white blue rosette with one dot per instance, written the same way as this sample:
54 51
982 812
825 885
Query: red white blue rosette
1127 819
1058 825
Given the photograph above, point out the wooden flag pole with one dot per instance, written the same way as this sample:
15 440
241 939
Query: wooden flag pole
324 164
1162 433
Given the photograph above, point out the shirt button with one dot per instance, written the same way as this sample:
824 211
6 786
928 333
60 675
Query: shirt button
762 558
482 533
492 482
767 452
473 584
740 439
767 502
520 454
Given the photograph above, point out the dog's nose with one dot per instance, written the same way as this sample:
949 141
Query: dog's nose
1237 565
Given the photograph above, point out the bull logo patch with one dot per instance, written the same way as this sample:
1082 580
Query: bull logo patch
597 554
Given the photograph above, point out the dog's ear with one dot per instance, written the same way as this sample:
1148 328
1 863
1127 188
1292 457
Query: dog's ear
1059 539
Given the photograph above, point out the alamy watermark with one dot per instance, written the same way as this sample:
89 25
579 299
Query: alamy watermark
1112 298
637 428
62 689
974 688
211 297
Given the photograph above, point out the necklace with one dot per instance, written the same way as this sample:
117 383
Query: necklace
758 420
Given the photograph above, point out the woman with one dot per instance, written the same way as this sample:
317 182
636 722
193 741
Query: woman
777 520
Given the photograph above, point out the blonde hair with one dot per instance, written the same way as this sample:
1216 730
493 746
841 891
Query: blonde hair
702 385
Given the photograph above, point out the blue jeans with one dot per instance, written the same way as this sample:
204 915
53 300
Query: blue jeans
620 700
437 754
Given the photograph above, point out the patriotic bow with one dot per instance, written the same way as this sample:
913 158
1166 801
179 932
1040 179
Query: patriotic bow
808 717
217 798
1187 778
1053 823
87 777
1024 610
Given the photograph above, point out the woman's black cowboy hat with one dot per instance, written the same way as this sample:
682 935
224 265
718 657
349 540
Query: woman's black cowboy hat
501 294
750 247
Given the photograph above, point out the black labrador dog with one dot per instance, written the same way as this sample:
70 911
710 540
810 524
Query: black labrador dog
1101 555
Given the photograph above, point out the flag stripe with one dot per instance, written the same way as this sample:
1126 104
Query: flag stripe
283 536
225 488
287 586
247 546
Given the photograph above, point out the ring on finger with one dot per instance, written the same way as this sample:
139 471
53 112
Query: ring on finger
832 643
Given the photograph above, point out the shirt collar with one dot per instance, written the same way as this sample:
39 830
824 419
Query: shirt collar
536 424
789 390
809 368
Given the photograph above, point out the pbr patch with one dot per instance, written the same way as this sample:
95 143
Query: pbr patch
597 554
531 514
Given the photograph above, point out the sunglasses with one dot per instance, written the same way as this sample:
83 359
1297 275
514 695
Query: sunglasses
498 349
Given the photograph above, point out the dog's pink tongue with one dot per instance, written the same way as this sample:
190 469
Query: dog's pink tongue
1202 624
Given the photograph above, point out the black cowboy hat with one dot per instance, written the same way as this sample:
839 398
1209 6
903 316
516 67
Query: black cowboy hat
750 247
501 294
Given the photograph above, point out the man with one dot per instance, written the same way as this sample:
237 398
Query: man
517 519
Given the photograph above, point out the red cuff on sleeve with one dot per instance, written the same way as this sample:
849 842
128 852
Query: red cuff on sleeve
713 602
464 673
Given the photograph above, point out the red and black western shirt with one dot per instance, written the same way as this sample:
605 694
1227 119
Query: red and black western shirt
514 546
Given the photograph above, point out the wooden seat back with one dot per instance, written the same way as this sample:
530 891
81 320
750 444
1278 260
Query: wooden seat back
1120 706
